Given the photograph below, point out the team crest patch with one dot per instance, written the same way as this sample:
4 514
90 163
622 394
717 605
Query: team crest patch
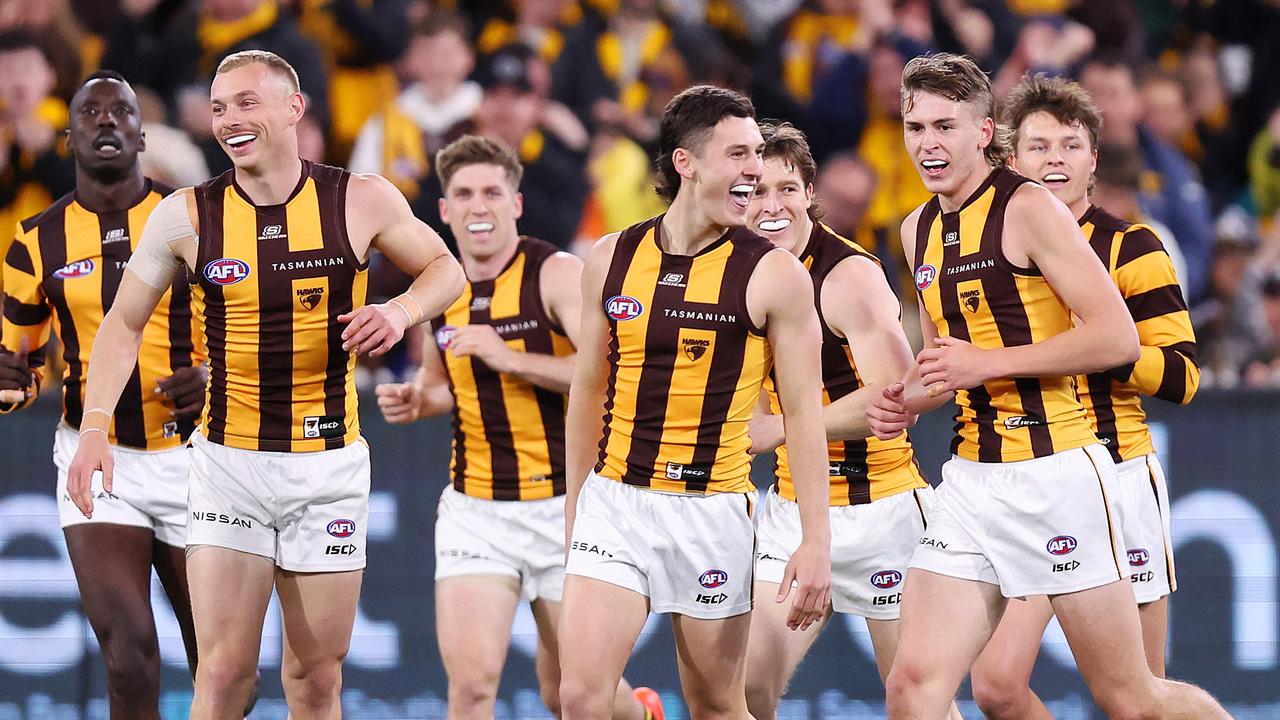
695 348
971 299
623 307
886 579
310 297
444 336
713 578
77 269
925 275
226 271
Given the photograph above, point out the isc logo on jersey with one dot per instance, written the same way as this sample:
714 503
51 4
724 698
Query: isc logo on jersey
226 271
623 307
77 269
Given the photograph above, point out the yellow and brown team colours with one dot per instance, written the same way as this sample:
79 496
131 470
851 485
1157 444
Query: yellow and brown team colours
271 283
61 274
860 470
973 293
508 434
1167 369
686 363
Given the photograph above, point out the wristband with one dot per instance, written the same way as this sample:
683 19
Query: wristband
92 429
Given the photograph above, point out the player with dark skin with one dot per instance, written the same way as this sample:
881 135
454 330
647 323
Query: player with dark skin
113 562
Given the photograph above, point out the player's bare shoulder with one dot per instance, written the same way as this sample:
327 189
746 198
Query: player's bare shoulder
373 205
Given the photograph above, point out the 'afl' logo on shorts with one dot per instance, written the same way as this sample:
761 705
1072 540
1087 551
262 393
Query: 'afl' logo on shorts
342 528
227 271
925 275
1139 557
886 579
77 269
444 336
622 307
1061 545
713 578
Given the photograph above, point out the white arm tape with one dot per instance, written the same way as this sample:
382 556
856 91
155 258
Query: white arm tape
154 261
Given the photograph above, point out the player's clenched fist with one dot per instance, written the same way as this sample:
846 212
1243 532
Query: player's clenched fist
93 454
887 415
373 329
400 403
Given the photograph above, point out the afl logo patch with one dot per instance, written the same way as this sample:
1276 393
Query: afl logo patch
925 275
342 528
713 579
886 579
444 336
77 269
1139 557
623 307
1061 545
227 271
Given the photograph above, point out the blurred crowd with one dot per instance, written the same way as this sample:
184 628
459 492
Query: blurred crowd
1191 113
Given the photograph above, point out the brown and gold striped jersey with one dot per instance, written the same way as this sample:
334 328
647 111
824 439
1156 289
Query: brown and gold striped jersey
272 281
686 364
62 273
1167 368
860 470
508 434
973 293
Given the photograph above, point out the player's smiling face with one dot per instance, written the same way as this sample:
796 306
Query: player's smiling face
779 207
1057 155
946 139
254 107
105 127
481 207
726 169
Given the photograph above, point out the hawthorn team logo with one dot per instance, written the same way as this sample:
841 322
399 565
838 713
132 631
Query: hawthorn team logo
310 297
695 348
971 299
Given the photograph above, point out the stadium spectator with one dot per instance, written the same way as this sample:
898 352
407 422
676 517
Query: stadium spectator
1215 141
1228 322
1263 370
360 40
171 158
1264 167
845 185
1171 190
67 47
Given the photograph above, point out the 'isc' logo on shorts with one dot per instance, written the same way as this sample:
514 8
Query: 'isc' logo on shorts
1061 545
342 528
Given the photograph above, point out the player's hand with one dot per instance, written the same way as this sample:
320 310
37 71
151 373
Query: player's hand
16 377
399 402
93 454
185 387
767 432
952 365
887 415
373 329
809 569
482 342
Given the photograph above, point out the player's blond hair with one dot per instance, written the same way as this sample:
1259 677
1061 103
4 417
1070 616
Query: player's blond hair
274 63
959 79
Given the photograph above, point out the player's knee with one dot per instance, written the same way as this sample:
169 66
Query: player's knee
224 677
581 700
1129 703
133 671
998 697
550 696
314 684
762 699
905 680
473 691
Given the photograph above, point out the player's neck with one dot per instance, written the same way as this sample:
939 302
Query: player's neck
799 240
480 269
1080 207
952 201
686 229
271 183
99 195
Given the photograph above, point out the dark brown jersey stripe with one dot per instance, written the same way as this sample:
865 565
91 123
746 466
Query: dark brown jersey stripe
209 202
331 196
493 407
181 345
130 424
20 258
855 471
1138 242
662 339
1173 384
1156 302
624 252
53 249
1104 413
455 424
22 314
726 366
275 338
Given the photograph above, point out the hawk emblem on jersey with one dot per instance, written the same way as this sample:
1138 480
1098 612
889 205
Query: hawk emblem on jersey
310 297
623 307
77 269
695 348
226 271
925 275
971 299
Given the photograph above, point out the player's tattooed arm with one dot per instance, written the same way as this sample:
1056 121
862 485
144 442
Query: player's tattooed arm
379 217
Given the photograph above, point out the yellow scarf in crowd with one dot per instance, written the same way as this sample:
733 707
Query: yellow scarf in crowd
215 36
